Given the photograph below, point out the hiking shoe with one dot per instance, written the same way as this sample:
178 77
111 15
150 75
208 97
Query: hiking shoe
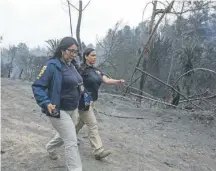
103 154
53 156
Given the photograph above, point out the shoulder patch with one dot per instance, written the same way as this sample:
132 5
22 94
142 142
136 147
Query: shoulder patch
41 72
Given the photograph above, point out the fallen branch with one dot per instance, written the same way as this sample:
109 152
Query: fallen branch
195 69
142 92
210 97
203 99
195 95
169 86
119 96
158 101
123 117
210 103
126 88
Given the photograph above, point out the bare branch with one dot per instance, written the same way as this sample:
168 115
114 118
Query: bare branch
113 42
64 4
162 3
98 42
86 5
144 11
159 11
196 9
69 13
189 10
152 17
74 6
183 5
155 28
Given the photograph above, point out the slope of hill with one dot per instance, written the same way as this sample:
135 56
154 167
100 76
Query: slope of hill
163 140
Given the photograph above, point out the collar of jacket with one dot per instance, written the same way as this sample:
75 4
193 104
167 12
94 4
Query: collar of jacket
66 63
90 65
56 62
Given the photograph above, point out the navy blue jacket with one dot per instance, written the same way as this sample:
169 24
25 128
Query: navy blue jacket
51 80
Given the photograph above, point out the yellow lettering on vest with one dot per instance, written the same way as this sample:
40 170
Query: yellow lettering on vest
41 72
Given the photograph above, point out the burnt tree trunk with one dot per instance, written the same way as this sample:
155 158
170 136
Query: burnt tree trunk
146 55
149 43
9 73
69 12
20 74
78 29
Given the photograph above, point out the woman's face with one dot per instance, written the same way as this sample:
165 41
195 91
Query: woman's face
91 58
70 53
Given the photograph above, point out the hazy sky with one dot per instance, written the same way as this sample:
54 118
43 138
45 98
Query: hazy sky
34 21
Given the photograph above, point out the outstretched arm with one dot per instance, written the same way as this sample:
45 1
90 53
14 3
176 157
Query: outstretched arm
111 81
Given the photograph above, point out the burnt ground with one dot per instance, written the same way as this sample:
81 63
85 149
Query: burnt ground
164 140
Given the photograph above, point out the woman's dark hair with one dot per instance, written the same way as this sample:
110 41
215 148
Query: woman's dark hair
86 53
65 43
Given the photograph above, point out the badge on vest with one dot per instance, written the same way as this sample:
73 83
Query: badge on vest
41 72
98 72
82 88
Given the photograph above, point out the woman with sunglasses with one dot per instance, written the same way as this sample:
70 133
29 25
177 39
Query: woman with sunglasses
92 79
57 91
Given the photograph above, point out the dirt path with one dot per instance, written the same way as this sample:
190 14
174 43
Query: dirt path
166 140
